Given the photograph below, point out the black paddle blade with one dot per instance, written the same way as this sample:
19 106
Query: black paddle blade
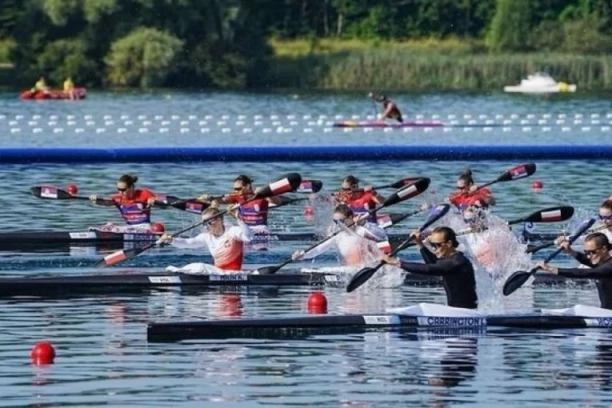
268 270
117 257
50 192
518 172
287 183
310 186
515 281
435 214
192 206
411 190
361 277
552 214
403 182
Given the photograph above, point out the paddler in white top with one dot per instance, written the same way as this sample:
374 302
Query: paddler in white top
355 242
226 245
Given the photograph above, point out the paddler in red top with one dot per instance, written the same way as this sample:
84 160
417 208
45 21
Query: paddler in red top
468 194
133 204
391 111
360 201
255 213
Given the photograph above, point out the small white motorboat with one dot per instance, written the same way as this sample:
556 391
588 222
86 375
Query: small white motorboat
540 82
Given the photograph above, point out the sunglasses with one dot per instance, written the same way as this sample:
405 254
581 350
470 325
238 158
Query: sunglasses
591 253
238 188
339 220
122 190
209 223
462 187
605 217
347 188
436 245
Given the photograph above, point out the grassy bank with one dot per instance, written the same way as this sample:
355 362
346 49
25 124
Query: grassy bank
423 65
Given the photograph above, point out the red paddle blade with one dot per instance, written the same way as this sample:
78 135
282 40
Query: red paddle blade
289 182
518 172
50 192
411 190
310 186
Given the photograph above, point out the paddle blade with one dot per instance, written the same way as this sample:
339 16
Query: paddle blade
407 192
403 182
361 277
289 182
518 172
117 257
191 206
267 270
435 214
515 281
310 186
553 214
50 192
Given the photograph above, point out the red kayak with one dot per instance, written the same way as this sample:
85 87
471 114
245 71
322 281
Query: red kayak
80 93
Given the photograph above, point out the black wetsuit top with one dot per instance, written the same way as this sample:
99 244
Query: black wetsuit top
457 275
395 112
602 272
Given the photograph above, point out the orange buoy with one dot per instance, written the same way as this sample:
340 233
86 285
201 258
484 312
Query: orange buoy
42 353
317 303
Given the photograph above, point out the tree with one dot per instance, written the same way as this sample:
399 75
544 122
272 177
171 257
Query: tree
510 26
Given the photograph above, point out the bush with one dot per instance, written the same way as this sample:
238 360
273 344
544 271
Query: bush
6 48
144 57
63 58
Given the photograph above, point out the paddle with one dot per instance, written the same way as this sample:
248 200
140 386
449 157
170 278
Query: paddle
54 193
287 183
515 173
518 278
365 274
402 194
535 249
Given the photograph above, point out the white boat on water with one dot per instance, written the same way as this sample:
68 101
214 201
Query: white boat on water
540 82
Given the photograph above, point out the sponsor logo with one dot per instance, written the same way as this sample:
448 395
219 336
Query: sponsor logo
305 187
230 277
599 322
281 186
82 235
518 172
165 279
48 192
331 278
452 321
382 320
551 215
407 192
265 237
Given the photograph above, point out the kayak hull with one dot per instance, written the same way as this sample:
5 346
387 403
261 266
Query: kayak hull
52 94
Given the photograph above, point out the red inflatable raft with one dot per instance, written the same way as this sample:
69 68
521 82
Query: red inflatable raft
80 93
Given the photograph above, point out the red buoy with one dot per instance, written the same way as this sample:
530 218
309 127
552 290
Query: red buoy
317 303
42 353
158 227
537 185
308 211
72 189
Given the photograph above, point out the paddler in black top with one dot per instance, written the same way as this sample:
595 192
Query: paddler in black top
455 268
391 110
596 255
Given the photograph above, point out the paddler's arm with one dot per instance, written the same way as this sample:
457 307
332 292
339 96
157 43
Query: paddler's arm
101 201
316 251
372 232
596 272
428 256
441 268
243 233
186 243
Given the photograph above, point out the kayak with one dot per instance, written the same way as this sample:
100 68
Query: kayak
52 94
423 316
377 124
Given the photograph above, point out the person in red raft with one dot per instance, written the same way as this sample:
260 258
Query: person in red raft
391 111
468 195
255 213
134 204
360 201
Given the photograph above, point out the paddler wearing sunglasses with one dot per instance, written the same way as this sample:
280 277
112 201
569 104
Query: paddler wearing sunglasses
596 255
133 203
468 194
253 213
453 266
355 242
225 244
360 201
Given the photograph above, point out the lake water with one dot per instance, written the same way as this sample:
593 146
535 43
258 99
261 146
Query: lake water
103 356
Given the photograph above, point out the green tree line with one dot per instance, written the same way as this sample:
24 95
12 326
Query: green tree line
223 43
